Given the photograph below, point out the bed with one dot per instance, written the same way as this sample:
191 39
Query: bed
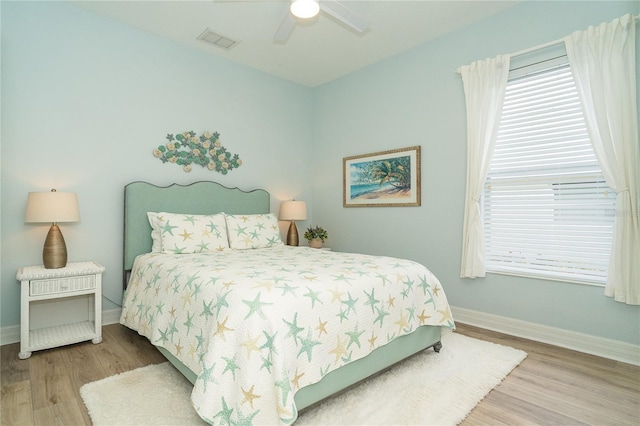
261 329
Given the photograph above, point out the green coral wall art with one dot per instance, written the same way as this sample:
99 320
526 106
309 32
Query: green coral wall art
186 149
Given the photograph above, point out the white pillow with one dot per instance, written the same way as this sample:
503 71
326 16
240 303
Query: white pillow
156 246
188 233
252 231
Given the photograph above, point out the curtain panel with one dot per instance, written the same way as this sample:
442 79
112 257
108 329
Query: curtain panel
602 59
484 88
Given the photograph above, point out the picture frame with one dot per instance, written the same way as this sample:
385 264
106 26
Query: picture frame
382 179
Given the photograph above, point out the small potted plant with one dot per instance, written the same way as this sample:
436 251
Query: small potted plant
316 236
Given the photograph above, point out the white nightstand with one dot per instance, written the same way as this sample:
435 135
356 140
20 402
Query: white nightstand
40 284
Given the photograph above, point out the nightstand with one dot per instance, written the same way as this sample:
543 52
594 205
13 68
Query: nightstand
40 284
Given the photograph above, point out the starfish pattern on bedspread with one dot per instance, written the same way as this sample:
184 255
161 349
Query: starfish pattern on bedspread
257 325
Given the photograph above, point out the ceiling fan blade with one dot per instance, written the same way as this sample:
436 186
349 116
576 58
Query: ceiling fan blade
285 28
341 13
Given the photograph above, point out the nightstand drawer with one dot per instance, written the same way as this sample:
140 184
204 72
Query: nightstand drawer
62 285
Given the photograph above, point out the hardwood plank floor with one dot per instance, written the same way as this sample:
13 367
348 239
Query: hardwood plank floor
557 386
552 386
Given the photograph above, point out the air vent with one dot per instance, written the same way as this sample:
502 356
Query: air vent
216 39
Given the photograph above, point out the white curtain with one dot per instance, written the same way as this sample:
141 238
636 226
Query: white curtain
602 59
484 88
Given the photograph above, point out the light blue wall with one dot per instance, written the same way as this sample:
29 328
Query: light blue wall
415 98
84 102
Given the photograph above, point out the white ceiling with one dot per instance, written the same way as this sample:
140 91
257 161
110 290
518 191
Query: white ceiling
319 50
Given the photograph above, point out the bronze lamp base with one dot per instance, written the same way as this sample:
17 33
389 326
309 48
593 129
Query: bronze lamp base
292 235
54 253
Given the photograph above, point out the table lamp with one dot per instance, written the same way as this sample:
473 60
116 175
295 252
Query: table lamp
53 207
293 210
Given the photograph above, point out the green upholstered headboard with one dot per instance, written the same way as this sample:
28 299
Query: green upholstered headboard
196 198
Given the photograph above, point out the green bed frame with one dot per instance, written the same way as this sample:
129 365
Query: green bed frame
210 198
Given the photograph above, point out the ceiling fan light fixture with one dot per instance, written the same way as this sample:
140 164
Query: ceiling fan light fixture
305 8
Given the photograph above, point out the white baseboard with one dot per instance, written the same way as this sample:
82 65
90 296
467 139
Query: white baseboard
111 316
11 334
600 346
581 342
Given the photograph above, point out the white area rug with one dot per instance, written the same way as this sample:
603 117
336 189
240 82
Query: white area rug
427 389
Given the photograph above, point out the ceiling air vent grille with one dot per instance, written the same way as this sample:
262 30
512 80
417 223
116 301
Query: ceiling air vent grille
216 39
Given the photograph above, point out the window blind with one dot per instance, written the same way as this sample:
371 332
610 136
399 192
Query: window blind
547 209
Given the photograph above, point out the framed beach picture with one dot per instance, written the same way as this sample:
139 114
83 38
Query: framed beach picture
382 179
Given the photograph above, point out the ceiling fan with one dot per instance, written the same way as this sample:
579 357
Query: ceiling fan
298 10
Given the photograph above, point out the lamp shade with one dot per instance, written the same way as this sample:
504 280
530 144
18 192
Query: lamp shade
52 207
305 8
293 210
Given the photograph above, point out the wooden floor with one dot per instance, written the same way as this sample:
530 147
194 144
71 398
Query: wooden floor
552 386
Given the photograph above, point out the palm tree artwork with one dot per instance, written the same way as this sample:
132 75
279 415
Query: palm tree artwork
389 177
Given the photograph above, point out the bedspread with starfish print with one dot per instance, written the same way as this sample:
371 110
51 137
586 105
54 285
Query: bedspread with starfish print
257 325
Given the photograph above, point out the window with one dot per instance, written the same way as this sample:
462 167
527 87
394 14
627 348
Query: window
547 210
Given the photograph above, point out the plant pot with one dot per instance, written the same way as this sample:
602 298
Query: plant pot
315 243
